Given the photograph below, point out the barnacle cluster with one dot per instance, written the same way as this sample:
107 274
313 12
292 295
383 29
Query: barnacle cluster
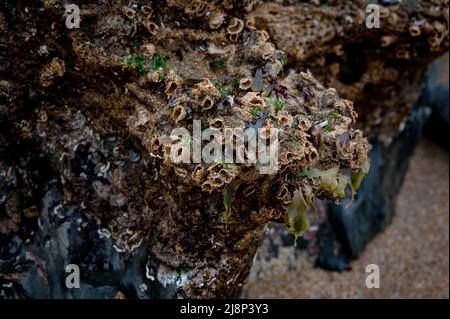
365 65
99 104
247 87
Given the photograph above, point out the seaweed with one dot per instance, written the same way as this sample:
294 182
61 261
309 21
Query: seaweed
158 62
228 193
296 217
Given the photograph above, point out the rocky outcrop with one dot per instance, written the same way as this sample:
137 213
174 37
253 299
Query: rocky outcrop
87 174
339 234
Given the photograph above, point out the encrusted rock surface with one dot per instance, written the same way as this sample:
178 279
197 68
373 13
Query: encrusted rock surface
96 107
86 176
339 235
380 70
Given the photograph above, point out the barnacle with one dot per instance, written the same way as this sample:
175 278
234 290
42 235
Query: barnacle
151 27
285 119
197 8
304 123
216 19
155 143
250 23
415 31
216 123
236 26
245 83
252 99
387 40
128 12
149 49
178 113
147 10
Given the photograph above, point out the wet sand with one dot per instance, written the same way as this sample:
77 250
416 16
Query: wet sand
412 253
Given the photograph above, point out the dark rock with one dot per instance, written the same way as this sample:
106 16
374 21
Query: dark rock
134 282
436 95
373 209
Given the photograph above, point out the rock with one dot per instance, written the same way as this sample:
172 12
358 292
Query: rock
353 227
343 233
86 175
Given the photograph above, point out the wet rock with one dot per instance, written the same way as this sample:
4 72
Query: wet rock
134 281
436 95
342 233
82 132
